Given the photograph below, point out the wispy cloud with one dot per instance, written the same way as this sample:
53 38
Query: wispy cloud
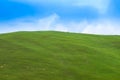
53 22
28 24
105 27
100 5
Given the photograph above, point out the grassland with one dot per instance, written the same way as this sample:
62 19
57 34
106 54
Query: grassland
51 55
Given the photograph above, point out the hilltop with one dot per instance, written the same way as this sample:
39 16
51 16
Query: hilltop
51 55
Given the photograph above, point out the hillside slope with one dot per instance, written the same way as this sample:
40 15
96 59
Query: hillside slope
59 56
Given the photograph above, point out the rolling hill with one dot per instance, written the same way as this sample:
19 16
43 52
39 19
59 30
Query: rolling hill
51 55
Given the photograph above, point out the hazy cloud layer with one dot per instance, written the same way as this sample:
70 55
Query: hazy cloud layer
101 5
103 27
53 22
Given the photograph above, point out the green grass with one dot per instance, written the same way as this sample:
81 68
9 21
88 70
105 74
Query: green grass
50 55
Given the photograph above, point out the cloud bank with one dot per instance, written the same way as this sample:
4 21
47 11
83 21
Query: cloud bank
105 27
54 23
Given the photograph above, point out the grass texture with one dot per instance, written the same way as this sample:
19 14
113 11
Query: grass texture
51 55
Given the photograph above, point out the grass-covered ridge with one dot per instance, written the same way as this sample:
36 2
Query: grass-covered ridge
59 56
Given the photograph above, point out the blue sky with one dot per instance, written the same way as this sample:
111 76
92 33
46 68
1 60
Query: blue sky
81 16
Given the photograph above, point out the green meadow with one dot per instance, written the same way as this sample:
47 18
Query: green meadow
51 55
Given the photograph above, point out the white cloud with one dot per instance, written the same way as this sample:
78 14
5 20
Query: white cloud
100 5
53 22
106 27
60 27
32 25
47 23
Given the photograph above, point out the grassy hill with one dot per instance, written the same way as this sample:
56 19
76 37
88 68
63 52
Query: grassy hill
59 56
